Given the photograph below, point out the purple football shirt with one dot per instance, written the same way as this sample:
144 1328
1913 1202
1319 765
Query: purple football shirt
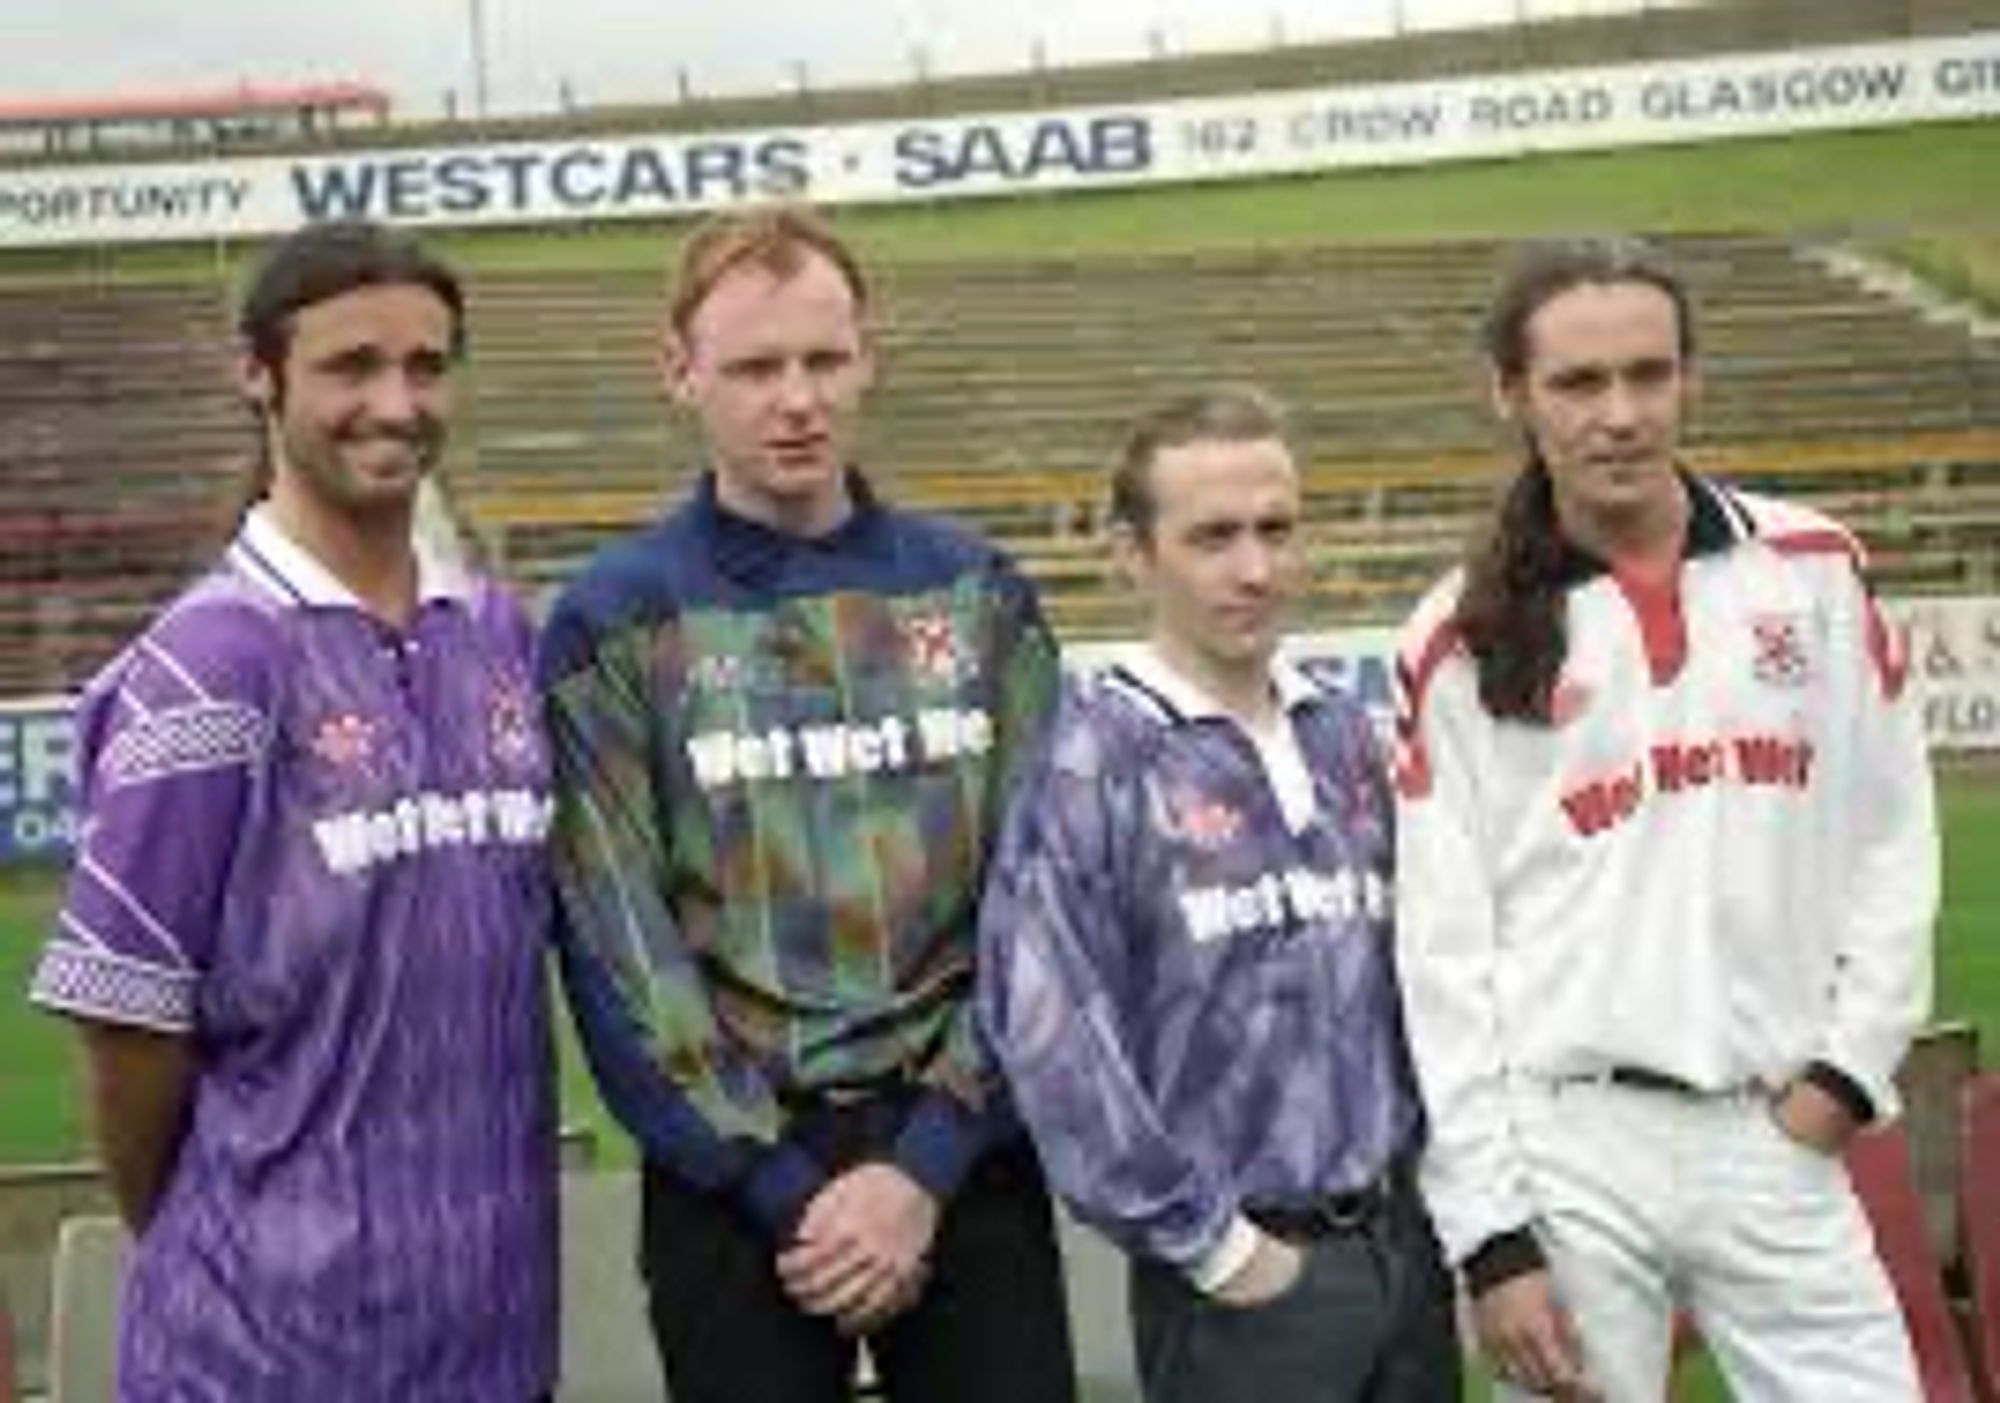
313 845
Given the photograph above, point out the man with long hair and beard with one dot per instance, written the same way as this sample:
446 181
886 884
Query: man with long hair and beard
304 935
1667 873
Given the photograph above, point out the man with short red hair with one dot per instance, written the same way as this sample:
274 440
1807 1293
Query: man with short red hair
785 719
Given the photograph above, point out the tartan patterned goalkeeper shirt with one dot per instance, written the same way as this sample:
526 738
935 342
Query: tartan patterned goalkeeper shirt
780 767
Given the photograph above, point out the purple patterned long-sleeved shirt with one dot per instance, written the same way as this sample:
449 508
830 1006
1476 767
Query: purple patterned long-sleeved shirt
1194 1002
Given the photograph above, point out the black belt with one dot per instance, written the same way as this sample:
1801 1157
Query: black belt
1646 1079
1330 1213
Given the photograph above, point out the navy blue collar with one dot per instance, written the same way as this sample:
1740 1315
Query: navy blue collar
1715 523
754 554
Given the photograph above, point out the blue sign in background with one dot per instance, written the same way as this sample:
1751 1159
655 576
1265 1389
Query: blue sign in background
37 781
1953 647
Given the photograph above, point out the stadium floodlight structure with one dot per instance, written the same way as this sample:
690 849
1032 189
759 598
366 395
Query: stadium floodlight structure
475 19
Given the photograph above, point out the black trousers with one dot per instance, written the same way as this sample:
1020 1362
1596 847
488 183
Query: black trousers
1370 1320
991 1327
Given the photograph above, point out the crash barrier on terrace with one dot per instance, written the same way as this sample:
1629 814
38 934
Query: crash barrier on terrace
1005 388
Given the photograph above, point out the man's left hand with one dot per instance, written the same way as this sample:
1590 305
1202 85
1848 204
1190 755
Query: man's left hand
1814 1118
861 1248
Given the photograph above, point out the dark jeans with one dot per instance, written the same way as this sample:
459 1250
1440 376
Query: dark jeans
1369 1321
992 1325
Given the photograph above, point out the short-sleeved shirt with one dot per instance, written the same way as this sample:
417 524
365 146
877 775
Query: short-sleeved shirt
313 845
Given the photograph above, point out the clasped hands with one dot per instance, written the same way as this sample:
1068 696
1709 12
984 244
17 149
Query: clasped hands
861 1252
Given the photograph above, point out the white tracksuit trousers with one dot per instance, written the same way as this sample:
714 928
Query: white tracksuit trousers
1650 1201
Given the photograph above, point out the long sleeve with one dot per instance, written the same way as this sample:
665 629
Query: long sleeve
1054 970
1883 961
669 1072
1446 954
964 1108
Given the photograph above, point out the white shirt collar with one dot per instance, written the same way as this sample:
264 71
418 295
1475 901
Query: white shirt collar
1194 701
1277 745
271 557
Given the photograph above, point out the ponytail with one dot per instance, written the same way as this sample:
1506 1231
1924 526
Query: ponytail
1512 612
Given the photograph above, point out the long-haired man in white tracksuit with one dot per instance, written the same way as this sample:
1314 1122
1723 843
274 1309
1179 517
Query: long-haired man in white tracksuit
1667 875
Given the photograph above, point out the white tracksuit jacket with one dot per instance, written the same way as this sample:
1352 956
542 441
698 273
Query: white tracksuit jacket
1720 864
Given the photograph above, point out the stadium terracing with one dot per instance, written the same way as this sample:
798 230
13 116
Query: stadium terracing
1007 386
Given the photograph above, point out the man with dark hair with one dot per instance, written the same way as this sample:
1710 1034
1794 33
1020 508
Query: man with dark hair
784 722
335 257
1667 874
304 935
1186 963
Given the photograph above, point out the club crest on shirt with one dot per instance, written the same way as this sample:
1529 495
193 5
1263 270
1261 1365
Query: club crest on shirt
344 740
930 643
718 672
511 726
1205 822
1779 656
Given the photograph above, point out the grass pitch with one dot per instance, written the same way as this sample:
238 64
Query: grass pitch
41 1117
